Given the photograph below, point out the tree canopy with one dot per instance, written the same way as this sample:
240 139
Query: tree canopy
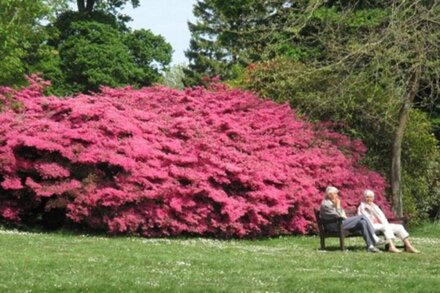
104 5
20 30
335 60
78 51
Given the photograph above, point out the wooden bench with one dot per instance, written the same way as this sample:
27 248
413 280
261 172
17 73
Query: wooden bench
341 234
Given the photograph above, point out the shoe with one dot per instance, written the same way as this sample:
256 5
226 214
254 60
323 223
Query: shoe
373 249
380 242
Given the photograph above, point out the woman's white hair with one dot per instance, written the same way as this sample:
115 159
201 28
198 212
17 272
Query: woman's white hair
330 189
368 192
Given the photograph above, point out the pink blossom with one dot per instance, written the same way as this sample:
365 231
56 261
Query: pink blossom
12 183
51 170
9 213
158 161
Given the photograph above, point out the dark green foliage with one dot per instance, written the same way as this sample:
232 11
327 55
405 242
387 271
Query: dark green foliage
421 164
79 51
94 55
151 54
63 23
91 49
109 7
227 35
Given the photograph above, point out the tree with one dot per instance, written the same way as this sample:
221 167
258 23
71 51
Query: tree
106 5
414 31
71 53
224 37
151 54
229 35
20 29
94 55
95 48
363 56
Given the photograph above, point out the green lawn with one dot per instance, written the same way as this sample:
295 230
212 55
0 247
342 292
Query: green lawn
64 262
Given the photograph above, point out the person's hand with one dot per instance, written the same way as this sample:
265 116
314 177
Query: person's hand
343 215
337 202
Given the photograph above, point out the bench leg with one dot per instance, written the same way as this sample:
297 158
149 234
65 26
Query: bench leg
322 242
341 242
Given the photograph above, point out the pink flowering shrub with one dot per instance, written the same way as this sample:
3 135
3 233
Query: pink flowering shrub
158 162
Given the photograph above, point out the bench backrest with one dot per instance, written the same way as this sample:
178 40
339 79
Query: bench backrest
318 221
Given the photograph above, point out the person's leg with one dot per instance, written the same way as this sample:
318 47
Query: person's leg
389 236
379 228
367 231
387 231
351 223
409 247
400 232
371 230
363 225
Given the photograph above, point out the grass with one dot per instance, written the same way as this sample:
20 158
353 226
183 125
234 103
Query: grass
40 262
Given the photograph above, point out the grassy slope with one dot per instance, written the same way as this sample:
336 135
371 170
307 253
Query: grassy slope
53 262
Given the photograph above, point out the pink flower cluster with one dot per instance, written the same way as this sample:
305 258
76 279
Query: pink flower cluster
158 161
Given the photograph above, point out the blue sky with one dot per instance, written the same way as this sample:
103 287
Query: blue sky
167 18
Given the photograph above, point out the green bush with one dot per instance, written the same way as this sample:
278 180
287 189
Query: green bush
365 111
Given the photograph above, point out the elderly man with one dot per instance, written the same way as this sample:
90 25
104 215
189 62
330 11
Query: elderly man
331 209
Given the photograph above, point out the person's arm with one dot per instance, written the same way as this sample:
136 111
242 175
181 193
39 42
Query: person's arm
380 215
365 210
339 210
361 210
330 210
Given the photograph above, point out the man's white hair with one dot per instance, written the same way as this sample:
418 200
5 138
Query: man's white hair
330 189
368 192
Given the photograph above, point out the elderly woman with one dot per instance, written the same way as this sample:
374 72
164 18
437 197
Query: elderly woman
380 223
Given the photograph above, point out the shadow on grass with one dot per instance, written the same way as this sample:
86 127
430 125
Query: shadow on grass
356 248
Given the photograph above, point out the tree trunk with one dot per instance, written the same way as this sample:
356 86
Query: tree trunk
81 5
90 5
85 5
396 168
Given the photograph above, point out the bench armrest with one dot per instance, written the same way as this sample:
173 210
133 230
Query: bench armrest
398 220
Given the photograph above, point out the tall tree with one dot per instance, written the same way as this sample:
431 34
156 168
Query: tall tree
108 5
151 54
368 54
226 35
20 25
413 33
95 55
96 48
